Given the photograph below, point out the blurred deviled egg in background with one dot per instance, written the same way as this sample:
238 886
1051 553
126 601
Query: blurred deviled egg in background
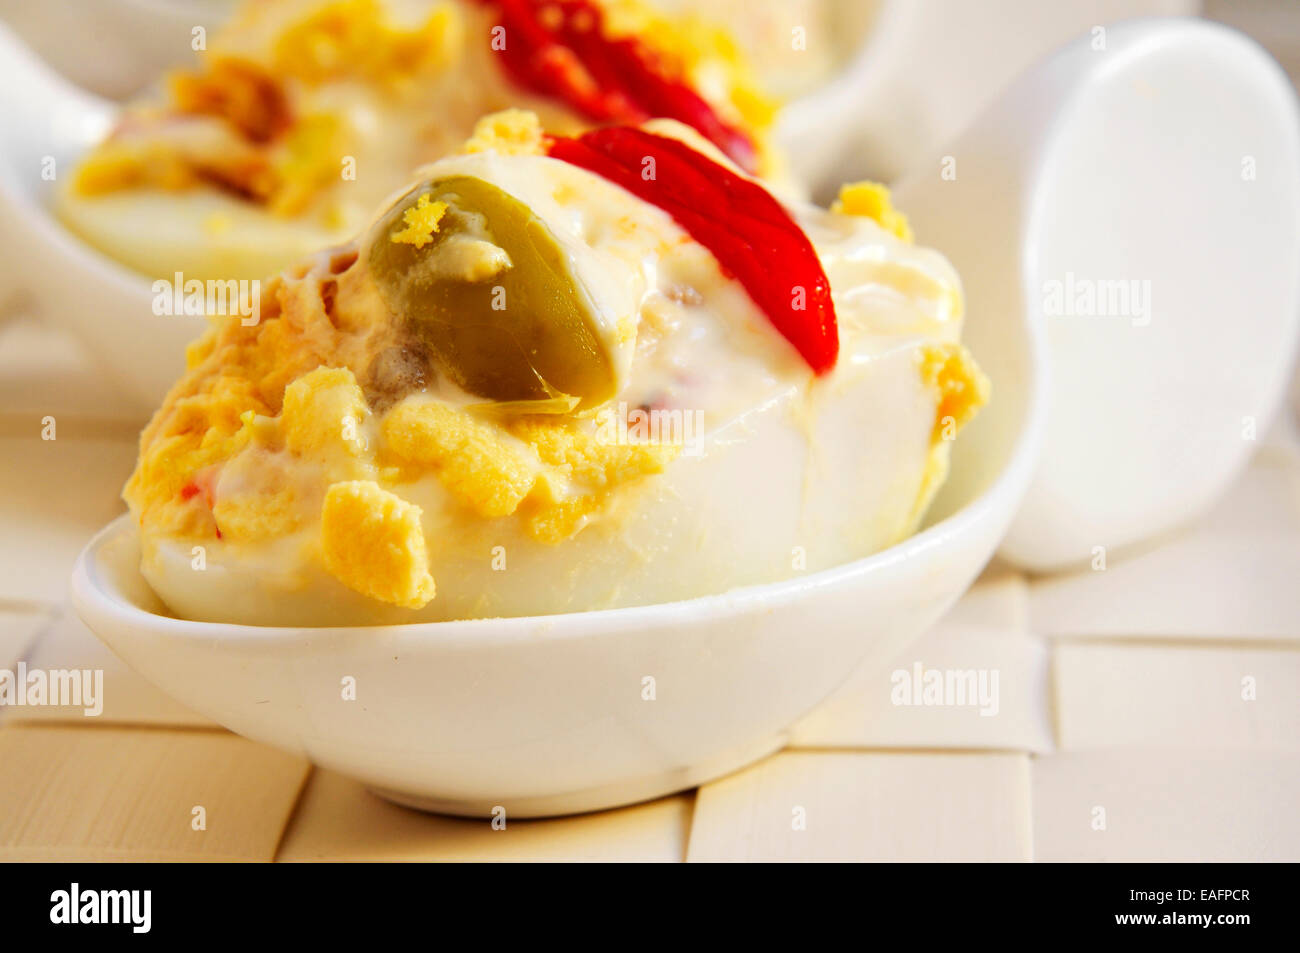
301 116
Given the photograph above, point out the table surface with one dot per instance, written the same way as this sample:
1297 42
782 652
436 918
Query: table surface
1150 711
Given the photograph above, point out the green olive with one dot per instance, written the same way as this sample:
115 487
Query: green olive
491 295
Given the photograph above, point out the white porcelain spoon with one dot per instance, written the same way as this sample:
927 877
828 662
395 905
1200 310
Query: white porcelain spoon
920 70
47 124
1154 186
547 715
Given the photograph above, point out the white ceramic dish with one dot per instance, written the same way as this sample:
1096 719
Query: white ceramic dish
547 715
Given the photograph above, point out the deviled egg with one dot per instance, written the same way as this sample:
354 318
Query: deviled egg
559 374
303 115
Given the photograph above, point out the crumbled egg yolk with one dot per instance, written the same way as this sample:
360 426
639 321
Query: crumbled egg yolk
421 222
323 414
702 50
283 443
960 386
510 132
960 389
531 465
475 460
573 455
305 162
353 37
871 200
126 165
372 542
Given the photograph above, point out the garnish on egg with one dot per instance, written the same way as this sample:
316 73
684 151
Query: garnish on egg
872 200
489 292
748 231
565 51
371 541
421 222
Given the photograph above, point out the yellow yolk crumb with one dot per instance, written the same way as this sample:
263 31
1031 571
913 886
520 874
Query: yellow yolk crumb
474 460
960 389
550 517
959 385
200 428
234 387
305 162
576 456
115 165
581 456
323 412
871 200
372 543
568 475
354 38
421 222
699 50
511 132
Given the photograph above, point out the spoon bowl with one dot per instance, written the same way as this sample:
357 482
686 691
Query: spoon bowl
557 714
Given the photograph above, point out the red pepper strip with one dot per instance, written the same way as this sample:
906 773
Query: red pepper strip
604 79
694 173
538 62
632 66
659 96
749 233
579 29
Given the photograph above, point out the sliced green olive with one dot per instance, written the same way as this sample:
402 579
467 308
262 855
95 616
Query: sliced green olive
490 293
